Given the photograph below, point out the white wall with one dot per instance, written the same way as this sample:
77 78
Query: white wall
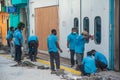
92 9
68 9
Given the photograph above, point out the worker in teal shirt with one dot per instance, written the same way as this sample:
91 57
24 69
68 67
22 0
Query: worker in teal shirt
101 61
71 44
10 35
88 66
18 42
53 47
80 46
18 38
33 38
33 44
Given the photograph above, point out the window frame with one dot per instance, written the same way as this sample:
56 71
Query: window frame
97 26
86 25
76 24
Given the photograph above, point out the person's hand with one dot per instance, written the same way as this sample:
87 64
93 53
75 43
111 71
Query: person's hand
61 50
22 48
68 50
91 37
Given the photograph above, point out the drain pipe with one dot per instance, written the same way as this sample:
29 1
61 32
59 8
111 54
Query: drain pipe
80 27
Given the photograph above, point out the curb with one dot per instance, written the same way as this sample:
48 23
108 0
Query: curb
48 63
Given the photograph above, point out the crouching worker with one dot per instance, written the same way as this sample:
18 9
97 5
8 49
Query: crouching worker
33 45
101 61
88 66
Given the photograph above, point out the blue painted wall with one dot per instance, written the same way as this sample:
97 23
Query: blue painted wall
14 2
14 19
111 58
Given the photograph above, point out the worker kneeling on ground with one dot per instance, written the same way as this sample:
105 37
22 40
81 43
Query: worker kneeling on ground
101 61
88 66
33 45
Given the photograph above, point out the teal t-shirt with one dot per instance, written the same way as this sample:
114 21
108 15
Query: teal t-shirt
80 44
89 65
71 39
99 56
33 37
18 38
51 42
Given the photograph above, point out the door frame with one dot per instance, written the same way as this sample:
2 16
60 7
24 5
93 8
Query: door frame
117 36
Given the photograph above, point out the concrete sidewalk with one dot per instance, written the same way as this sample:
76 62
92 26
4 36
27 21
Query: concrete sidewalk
107 75
23 73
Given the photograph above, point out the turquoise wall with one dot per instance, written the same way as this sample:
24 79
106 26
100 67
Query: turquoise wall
14 19
14 2
111 54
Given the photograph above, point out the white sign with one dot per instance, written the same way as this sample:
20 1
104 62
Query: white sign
0 7
8 3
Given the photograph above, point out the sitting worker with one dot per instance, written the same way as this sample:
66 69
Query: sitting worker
101 61
88 66
33 45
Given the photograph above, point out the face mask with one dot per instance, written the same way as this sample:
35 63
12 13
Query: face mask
74 32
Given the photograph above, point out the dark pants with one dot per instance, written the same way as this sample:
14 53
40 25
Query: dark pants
54 57
18 53
100 65
72 53
8 42
32 50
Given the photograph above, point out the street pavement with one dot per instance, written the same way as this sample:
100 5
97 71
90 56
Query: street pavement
23 73
10 72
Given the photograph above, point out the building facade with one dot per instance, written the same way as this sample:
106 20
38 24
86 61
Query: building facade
93 16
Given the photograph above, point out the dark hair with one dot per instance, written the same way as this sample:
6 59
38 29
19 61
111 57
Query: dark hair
74 28
21 24
93 50
11 28
53 30
89 53
15 28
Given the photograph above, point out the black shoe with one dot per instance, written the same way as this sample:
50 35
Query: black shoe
72 66
77 68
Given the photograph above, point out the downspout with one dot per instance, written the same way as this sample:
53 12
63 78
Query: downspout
80 26
111 31
28 20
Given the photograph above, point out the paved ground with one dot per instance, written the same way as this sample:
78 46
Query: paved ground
23 73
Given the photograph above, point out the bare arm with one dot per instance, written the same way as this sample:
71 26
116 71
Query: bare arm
68 44
87 38
58 47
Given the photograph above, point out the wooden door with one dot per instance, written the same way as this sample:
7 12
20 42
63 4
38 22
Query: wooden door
45 19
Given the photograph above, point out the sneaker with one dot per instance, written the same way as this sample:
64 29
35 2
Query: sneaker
72 66
53 72
77 68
